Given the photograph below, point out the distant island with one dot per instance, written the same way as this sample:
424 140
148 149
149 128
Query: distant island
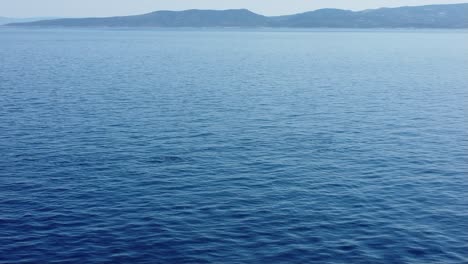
9 20
429 16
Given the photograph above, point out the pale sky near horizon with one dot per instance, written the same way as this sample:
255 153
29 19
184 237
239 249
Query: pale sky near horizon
99 8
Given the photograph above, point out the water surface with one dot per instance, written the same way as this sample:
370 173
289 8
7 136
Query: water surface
231 146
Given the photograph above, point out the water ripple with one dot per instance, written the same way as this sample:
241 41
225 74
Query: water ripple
286 147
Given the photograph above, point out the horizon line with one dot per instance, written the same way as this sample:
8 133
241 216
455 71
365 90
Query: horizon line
202 9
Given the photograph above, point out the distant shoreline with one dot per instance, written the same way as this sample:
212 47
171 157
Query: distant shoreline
450 16
272 29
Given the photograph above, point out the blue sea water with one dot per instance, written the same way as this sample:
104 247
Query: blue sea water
233 146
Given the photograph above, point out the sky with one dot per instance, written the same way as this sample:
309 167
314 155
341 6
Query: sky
101 8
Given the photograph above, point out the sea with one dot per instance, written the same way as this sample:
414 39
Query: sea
233 146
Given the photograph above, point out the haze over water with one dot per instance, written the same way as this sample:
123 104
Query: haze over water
233 146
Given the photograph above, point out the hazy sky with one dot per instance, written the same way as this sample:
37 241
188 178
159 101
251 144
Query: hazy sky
84 8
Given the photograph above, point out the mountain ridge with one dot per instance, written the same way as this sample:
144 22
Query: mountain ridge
427 16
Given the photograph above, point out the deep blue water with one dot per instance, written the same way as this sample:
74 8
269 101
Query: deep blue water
233 146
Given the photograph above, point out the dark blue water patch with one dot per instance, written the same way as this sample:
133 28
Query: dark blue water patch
286 147
165 159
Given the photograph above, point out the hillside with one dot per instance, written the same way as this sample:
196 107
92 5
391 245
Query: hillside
431 16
